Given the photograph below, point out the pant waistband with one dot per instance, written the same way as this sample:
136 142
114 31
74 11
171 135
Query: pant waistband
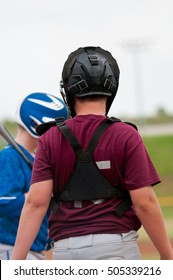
94 239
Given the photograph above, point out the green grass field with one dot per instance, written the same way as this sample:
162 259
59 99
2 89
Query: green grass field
160 148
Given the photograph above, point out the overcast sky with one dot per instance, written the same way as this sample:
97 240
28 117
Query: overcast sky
37 36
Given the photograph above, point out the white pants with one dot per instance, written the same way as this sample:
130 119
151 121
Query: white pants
6 251
98 247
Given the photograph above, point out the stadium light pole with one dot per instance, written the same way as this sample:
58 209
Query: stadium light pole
136 47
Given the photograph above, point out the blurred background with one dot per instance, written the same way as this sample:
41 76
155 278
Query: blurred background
38 35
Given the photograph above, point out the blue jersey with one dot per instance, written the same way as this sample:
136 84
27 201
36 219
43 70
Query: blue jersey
15 176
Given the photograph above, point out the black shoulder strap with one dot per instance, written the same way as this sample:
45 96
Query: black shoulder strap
66 131
99 132
127 122
68 134
42 128
132 124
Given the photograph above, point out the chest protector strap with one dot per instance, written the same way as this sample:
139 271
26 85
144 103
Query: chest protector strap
86 181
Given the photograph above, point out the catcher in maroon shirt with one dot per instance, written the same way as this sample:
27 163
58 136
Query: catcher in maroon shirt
95 169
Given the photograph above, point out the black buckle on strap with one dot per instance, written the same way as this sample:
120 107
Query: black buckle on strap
108 84
79 86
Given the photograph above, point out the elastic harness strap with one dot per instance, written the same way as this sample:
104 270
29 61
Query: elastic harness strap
68 134
98 133
123 206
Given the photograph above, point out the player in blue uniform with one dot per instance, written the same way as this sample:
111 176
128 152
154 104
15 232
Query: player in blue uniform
15 173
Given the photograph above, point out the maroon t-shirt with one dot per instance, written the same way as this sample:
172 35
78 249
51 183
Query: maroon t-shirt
119 151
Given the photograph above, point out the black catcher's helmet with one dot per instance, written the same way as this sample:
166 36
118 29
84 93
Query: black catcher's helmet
89 71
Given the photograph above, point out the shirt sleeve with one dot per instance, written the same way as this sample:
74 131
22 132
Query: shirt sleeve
42 169
139 170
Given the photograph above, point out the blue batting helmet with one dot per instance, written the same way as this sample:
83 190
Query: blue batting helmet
38 108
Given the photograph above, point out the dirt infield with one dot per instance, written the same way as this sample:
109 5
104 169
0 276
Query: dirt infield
148 251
